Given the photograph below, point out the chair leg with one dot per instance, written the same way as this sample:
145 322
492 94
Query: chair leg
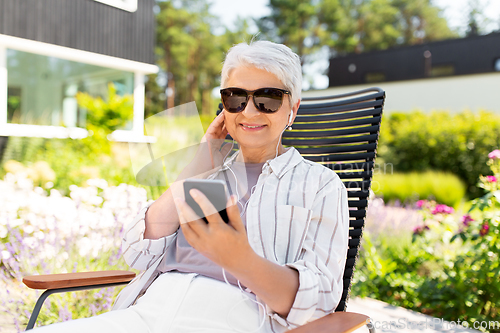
38 306
47 293
371 329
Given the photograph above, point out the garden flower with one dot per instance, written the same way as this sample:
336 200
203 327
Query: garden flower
46 233
491 179
421 203
494 155
467 219
442 209
419 230
484 229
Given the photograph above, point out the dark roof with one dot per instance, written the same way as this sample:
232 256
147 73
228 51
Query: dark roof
471 55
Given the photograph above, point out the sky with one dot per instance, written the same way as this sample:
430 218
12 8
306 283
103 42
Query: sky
455 11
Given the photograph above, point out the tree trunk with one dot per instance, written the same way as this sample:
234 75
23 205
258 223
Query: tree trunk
170 78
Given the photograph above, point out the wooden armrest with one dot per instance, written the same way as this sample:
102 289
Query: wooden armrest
67 280
337 322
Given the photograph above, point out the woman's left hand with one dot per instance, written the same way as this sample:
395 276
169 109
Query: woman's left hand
226 244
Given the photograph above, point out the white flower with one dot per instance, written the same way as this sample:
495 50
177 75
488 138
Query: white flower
31 242
28 229
84 246
3 231
48 252
16 223
38 190
97 201
39 235
55 193
5 255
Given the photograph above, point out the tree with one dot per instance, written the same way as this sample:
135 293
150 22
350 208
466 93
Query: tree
378 24
421 22
155 97
363 25
476 20
293 23
189 54
347 26
188 50
339 21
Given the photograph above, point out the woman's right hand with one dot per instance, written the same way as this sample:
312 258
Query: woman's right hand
217 129
161 217
213 149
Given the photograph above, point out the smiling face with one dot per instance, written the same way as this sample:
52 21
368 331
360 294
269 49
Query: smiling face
257 133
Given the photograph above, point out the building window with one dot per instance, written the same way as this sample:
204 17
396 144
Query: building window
374 77
13 104
41 90
128 5
442 70
497 65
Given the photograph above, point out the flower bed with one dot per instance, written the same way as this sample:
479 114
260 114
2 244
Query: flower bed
43 232
447 266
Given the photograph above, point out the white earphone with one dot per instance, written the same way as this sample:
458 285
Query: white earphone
290 119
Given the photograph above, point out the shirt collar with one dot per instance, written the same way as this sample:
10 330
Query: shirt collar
279 165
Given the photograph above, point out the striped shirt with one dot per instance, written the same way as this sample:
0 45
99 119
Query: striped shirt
297 216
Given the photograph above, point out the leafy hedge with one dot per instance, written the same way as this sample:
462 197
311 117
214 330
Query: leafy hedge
447 268
457 143
407 188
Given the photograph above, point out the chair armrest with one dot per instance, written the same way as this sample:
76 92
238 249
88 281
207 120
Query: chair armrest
337 322
68 280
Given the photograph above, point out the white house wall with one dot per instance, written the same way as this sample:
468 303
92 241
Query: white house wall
455 94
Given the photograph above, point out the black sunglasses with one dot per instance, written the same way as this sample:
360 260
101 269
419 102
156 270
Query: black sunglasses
266 100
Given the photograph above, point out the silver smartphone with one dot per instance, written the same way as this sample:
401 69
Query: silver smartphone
214 190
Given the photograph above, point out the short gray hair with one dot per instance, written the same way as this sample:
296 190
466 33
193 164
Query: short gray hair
277 59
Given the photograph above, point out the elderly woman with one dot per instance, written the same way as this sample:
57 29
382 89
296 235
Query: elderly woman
286 239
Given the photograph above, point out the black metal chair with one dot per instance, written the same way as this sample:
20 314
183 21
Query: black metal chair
340 132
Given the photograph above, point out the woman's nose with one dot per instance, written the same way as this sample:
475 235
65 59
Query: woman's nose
250 109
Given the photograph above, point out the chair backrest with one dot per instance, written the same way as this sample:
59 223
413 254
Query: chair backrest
341 132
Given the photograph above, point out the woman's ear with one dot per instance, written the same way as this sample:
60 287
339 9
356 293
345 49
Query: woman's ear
295 109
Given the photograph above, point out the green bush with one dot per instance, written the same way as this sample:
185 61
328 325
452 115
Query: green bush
76 161
72 161
444 187
448 268
456 143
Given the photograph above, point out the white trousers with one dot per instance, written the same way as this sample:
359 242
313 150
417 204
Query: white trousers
175 303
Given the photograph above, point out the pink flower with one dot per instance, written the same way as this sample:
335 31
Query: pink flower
491 179
484 229
419 230
467 219
421 203
442 209
494 155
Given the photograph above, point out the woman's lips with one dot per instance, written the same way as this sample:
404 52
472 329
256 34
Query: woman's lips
252 127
